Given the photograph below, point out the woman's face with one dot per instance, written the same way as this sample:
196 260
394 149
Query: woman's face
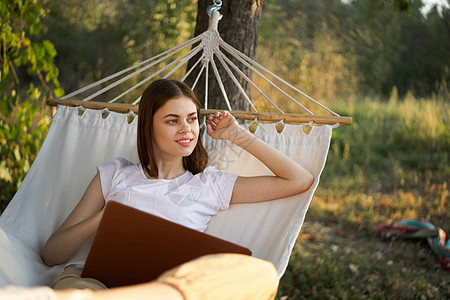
175 128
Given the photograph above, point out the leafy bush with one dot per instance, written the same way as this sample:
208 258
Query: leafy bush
24 119
21 135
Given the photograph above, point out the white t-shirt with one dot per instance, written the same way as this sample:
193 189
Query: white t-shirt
188 200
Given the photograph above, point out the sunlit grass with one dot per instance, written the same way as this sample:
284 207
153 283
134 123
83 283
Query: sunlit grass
391 164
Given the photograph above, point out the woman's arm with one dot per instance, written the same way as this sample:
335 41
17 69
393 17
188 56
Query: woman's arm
79 226
290 177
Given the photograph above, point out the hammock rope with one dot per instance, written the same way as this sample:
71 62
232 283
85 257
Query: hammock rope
189 55
115 75
212 48
222 57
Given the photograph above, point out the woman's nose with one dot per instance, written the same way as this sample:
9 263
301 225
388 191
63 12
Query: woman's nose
184 127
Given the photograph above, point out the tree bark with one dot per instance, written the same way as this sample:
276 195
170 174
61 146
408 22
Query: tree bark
239 27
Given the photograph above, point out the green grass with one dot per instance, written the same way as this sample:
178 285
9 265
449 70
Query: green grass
391 164
331 263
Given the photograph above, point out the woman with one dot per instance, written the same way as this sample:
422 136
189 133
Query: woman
172 179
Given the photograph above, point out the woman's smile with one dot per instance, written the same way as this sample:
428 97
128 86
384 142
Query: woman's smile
185 142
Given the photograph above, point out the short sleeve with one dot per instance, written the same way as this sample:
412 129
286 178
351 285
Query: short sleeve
221 184
108 173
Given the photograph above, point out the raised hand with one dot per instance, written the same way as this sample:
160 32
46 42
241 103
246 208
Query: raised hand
222 125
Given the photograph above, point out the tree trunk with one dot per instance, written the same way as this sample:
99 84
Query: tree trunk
239 27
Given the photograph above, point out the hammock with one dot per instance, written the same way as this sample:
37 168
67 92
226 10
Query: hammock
94 133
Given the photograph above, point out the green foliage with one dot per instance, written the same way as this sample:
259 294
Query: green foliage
25 63
97 38
302 48
361 47
401 5
21 135
19 21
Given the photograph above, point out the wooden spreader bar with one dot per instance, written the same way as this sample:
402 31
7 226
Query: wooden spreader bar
243 115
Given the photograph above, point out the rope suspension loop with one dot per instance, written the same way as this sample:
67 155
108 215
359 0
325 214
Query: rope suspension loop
217 4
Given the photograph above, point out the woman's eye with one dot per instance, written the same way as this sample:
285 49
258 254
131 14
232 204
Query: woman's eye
193 119
174 121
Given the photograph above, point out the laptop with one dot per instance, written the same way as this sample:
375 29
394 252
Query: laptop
132 246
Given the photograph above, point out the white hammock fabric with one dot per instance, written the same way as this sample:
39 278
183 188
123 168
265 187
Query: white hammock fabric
75 145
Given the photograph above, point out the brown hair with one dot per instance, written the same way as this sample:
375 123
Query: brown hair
153 98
